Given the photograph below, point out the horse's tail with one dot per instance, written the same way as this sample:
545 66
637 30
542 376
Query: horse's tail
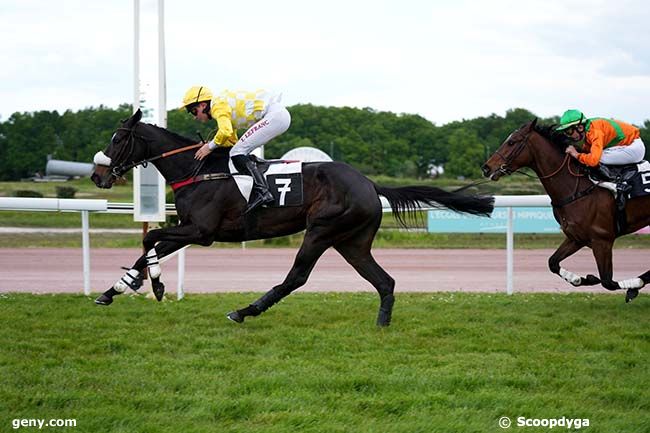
406 200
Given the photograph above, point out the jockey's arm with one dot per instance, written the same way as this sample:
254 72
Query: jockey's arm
596 140
222 113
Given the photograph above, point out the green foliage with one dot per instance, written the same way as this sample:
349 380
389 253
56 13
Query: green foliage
65 191
467 156
27 193
450 362
374 142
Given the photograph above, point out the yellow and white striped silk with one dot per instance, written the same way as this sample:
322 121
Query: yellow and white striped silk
238 110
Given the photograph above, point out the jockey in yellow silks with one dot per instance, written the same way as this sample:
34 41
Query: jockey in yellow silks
260 113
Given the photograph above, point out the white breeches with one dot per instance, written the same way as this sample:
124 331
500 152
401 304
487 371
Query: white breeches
275 122
619 155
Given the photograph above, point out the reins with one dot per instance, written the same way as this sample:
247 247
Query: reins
120 169
505 168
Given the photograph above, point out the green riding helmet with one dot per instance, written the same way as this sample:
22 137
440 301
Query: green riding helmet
571 118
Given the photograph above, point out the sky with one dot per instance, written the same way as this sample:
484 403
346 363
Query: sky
443 60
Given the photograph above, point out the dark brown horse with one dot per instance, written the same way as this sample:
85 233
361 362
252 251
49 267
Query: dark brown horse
340 209
586 214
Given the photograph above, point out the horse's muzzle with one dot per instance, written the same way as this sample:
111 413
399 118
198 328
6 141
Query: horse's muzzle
102 177
490 173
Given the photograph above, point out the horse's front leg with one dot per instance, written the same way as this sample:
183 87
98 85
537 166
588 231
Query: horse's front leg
132 279
566 249
169 240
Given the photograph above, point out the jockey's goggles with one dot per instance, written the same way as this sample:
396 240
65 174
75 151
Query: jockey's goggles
571 129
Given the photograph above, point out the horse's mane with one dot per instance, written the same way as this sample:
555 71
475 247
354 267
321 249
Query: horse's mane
555 137
182 140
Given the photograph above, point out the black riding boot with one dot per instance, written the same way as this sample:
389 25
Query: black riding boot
260 188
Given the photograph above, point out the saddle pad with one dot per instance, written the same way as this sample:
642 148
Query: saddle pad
285 183
641 180
637 176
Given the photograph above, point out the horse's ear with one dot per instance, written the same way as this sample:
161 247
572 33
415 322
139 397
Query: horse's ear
533 123
135 118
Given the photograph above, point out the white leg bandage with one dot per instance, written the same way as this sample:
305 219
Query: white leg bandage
632 283
126 281
570 276
152 263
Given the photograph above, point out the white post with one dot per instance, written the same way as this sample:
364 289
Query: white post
85 246
180 289
509 251
136 54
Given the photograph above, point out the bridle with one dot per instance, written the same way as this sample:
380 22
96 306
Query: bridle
122 167
506 169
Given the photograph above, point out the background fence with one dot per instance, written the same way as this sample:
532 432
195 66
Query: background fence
85 206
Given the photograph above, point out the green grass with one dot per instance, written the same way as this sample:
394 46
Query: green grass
316 363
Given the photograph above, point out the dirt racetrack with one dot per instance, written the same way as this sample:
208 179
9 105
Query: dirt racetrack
45 270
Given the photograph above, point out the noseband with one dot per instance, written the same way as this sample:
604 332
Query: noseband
505 168
122 167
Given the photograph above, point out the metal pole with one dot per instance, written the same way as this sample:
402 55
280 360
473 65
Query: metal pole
509 251
85 246
162 83
136 55
180 289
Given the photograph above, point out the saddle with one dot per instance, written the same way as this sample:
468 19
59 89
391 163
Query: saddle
625 182
264 164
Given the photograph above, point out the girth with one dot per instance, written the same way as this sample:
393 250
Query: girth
200 178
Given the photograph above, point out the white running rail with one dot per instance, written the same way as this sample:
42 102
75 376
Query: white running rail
86 205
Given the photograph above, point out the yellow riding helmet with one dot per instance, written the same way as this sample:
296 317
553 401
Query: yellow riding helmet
196 94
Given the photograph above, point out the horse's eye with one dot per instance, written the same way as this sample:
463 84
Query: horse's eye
512 142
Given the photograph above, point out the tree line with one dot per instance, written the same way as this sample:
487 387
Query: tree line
375 142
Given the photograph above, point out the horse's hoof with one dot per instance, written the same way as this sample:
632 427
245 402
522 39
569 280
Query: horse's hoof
158 290
235 316
590 280
631 294
104 300
383 321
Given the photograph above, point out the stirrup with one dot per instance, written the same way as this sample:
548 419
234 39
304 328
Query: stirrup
260 199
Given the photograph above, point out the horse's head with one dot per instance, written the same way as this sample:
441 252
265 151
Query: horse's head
120 154
514 153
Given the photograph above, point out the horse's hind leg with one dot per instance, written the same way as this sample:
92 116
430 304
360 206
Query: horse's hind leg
314 245
566 249
634 285
602 250
368 268
356 251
